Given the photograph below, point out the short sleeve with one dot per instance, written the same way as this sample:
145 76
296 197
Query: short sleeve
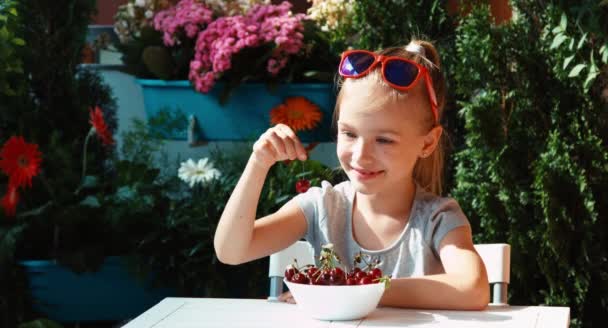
446 217
310 203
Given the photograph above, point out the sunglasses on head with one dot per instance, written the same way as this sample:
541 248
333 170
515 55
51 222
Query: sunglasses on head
400 73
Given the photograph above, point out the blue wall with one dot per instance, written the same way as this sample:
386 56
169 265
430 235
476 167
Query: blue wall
130 104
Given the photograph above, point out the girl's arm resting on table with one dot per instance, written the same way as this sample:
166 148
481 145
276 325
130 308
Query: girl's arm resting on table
464 286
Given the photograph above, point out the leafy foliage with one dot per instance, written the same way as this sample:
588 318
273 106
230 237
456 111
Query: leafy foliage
393 23
49 105
534 169
11 66
182 250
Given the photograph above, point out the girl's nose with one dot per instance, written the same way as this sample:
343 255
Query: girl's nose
362 152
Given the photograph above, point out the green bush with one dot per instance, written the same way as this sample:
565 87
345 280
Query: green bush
534 168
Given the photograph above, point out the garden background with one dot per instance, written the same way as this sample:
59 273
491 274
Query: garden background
527 116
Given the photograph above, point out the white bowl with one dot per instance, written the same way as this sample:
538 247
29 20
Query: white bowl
336 302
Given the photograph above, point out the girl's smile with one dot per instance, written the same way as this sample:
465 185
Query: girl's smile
363 175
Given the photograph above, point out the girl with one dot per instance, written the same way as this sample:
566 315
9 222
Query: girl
390 145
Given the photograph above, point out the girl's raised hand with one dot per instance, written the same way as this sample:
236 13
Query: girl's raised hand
278 143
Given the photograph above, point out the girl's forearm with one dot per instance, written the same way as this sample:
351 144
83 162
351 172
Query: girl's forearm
235 228
441 291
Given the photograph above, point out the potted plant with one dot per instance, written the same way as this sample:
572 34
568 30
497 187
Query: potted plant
222 62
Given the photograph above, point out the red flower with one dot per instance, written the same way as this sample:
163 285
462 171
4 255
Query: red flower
20 161
9 201
99 124
298 113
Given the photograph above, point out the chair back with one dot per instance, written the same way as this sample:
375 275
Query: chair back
301 251
497 260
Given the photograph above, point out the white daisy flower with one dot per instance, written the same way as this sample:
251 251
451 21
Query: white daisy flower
193 173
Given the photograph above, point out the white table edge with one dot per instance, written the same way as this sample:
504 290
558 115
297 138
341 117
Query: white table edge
157 313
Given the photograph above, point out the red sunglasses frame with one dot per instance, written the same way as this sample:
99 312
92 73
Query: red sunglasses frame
380 59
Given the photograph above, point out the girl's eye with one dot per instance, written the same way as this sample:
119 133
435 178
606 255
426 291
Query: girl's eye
348 134
384 141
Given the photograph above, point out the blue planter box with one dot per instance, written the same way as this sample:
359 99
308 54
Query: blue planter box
246 114
111 294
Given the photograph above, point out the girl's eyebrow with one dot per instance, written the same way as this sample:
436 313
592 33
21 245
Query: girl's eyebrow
380 131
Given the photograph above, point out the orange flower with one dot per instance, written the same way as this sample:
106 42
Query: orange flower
20 161
99 124
298 113
9 201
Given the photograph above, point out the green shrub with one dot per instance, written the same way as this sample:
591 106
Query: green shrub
534 169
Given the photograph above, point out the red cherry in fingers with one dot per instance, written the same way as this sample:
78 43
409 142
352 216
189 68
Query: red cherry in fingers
365 281
302 186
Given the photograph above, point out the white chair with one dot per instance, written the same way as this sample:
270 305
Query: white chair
301 251
496 258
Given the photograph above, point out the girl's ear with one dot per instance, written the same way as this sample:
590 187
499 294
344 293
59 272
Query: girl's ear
431 140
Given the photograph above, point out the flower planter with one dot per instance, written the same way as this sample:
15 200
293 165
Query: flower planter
245 115
111 294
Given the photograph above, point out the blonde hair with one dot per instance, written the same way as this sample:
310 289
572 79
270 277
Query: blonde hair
428 172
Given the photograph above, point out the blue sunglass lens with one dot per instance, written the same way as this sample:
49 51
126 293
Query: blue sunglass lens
400 72
356 63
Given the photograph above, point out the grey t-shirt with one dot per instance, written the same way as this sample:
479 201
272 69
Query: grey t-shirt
328 210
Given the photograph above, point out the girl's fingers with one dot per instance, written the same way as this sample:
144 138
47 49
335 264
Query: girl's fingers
287 298
299 150
278 146
288 142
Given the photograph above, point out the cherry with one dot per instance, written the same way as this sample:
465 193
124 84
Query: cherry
311 273
302 186
351 281
365 281
360 275
375 274
289 272
299 278
337 272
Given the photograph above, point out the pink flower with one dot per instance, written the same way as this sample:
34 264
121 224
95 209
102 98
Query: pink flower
227 36
188 18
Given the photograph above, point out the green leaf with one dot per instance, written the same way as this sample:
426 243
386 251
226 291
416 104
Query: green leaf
557 29
604 53
90 201
563 23
567 61
125 193
18 42
559 39
577 70
593 73
90 182
582 41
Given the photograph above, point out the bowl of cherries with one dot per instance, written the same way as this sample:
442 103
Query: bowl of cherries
331 292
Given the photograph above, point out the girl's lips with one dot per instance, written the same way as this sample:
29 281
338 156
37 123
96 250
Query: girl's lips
365 175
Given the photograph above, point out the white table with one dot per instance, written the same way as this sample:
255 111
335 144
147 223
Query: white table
221 312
